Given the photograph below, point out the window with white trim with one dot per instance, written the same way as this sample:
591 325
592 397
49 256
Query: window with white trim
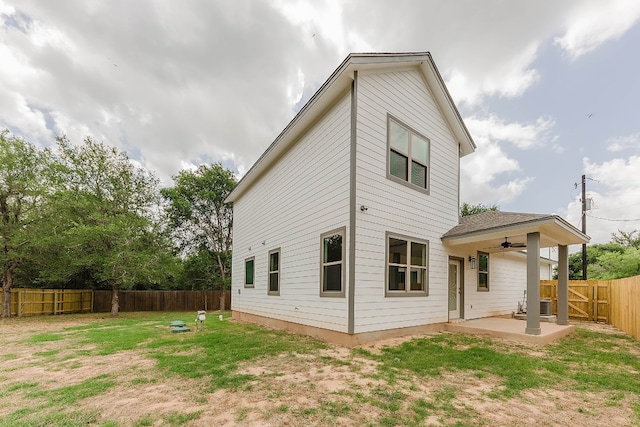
332 269
274 272
408 155
249 272
483 271
407 266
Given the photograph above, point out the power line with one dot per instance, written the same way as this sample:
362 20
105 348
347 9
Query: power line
615 220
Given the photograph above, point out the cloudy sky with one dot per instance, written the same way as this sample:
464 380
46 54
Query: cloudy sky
549 90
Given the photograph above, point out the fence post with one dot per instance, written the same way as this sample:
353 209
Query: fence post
19 311
609 283
590 303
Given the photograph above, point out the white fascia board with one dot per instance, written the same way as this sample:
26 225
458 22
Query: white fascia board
336 84
449 109
553 227
339 82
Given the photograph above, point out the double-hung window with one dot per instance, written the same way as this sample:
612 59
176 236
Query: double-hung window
249 272
274 272
483 271
332 268
407 266
408 155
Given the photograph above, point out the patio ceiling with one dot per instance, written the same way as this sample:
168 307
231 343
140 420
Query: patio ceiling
488 230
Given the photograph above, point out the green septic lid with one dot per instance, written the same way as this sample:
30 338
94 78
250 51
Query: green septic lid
180 329
177 323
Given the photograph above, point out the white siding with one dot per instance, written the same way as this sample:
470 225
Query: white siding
507 283
393 207
304 194
546 270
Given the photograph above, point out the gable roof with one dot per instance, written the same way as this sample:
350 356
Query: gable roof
339 81
488 229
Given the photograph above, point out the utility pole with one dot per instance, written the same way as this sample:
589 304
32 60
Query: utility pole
584 226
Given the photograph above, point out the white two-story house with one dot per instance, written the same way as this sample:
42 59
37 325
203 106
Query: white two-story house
347 227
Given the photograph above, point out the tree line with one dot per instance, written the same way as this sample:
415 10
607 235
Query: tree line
86 217
608 261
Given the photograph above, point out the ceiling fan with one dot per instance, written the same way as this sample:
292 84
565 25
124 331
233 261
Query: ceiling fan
507 244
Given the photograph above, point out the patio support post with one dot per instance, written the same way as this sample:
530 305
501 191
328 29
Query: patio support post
563 285
533 284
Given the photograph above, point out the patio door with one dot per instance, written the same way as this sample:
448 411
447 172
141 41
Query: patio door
454 289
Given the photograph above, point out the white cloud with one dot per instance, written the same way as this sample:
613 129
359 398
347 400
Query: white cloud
613 187
178 84
488 174
595 22
6 9
493 129
620 143
509 78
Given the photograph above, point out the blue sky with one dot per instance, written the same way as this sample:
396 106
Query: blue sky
548 89
593 102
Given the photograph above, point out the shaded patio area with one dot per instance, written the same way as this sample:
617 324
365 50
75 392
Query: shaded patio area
513 329
496 231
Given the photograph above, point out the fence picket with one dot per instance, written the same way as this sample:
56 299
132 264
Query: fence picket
36 302
616 302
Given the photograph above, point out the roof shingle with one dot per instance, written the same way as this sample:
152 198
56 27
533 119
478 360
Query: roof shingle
492 219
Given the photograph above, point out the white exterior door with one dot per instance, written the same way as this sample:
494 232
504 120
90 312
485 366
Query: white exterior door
454 289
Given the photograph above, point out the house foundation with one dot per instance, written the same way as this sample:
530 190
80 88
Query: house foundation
498 327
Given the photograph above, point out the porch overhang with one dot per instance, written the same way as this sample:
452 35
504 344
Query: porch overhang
497 231
486 232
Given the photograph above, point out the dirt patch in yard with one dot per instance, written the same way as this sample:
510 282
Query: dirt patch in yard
335 386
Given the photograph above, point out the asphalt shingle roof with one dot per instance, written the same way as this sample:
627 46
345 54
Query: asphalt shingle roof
490 220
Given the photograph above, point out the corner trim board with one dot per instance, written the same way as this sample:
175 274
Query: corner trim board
352 205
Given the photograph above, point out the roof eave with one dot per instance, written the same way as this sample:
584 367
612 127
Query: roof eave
550 225
467 145
336 84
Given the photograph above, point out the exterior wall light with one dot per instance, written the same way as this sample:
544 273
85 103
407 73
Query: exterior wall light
472 262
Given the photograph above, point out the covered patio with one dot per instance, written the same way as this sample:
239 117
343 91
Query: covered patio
496 231
513 329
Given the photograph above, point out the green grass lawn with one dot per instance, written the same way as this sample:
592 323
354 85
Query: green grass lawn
424 380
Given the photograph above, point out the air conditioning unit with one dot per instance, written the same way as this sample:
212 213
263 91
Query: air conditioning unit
546 307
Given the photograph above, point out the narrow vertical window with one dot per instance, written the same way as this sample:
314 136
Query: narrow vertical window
483 271
399 151
332 264
274 272
249 272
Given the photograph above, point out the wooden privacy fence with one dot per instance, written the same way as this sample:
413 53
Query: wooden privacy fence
36 302
160 300
588 299
616 302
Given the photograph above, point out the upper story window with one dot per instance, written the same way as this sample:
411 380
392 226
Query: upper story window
483 271
332 264
408 155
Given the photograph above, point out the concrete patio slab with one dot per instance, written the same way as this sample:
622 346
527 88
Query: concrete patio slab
513 329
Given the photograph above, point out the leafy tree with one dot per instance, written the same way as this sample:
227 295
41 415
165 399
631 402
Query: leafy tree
24 186
200 218
201 272
605 262
105 232
630 239
467 209
616 265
